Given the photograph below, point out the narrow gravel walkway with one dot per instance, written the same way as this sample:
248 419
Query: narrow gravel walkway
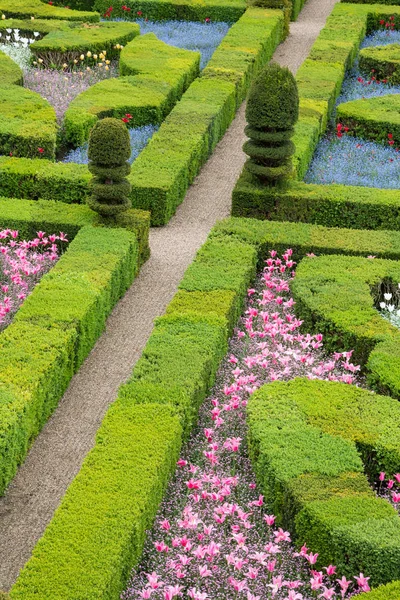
57 454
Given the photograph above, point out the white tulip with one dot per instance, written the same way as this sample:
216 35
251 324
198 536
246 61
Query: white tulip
387 296
382 305
391 307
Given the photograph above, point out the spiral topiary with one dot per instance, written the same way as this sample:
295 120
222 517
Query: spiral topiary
109 149
272 111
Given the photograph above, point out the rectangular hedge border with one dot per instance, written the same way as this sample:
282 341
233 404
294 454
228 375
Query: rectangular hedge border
90 557
58 324
319 82
164 170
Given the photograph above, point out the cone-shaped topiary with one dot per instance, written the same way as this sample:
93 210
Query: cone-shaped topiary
109 149
272 111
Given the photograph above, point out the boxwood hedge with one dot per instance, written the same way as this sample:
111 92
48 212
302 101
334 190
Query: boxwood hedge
25 9
310 442
11 74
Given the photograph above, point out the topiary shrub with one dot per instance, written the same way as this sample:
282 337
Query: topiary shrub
109 149
272 111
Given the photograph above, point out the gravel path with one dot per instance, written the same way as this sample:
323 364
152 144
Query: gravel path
58 452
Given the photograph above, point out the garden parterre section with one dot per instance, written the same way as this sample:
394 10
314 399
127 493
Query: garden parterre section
319 82
164 170
98 531
60 321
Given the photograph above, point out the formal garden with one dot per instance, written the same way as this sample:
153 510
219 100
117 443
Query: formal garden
200 300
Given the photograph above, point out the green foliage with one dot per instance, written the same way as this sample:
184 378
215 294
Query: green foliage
66 45
337 300
372 118
154 75
28 26
10 71
54 331
384 592
97 533
307 439
41 178
272 110
109 149
25 9
381 61
190 10
304 239
27 123
191 131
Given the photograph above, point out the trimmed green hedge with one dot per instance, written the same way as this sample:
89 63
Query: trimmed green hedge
177 367
372 118
334 296
193 128
319 82
28 26
156 75
66 45
329 205
27 123
187 10
310 442
385 592
54 331
383 62
97 533
40 178
25 9
11 74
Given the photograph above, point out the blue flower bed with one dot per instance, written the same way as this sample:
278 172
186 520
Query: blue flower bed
352 161
140 136
191 35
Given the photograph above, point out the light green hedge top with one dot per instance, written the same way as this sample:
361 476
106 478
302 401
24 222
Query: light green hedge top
25 9
10 71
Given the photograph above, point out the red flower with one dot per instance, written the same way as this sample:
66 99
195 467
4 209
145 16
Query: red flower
50 2
139 13
125 120
381 22
391 142
207 19
11 153
40 150
128 116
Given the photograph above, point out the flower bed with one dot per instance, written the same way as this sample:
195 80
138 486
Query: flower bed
134 453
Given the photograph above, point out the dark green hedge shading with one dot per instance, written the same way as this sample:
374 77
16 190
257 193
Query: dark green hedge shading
153 76
372 120
27 123
11 74
25 9
329 205
97 533
191 131
310 442
334 295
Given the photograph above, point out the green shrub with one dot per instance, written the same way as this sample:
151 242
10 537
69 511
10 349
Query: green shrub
272 110
383 62
372 118
10 71
27 123
384 592
28 26
66 45
41 178
25 9
154 76
309 441
330 205
340 305
54 331
108 152
156 10
248 45
97 533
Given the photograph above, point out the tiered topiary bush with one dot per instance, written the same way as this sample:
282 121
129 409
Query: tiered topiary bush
272 111
109 150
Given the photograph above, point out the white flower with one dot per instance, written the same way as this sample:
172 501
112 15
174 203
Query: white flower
382 304
3 17
391 307
387 296
9 30
32 18
36 33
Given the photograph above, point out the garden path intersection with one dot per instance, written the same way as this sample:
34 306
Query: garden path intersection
57 454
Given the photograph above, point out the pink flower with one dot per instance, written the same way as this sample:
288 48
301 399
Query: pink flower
362 582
